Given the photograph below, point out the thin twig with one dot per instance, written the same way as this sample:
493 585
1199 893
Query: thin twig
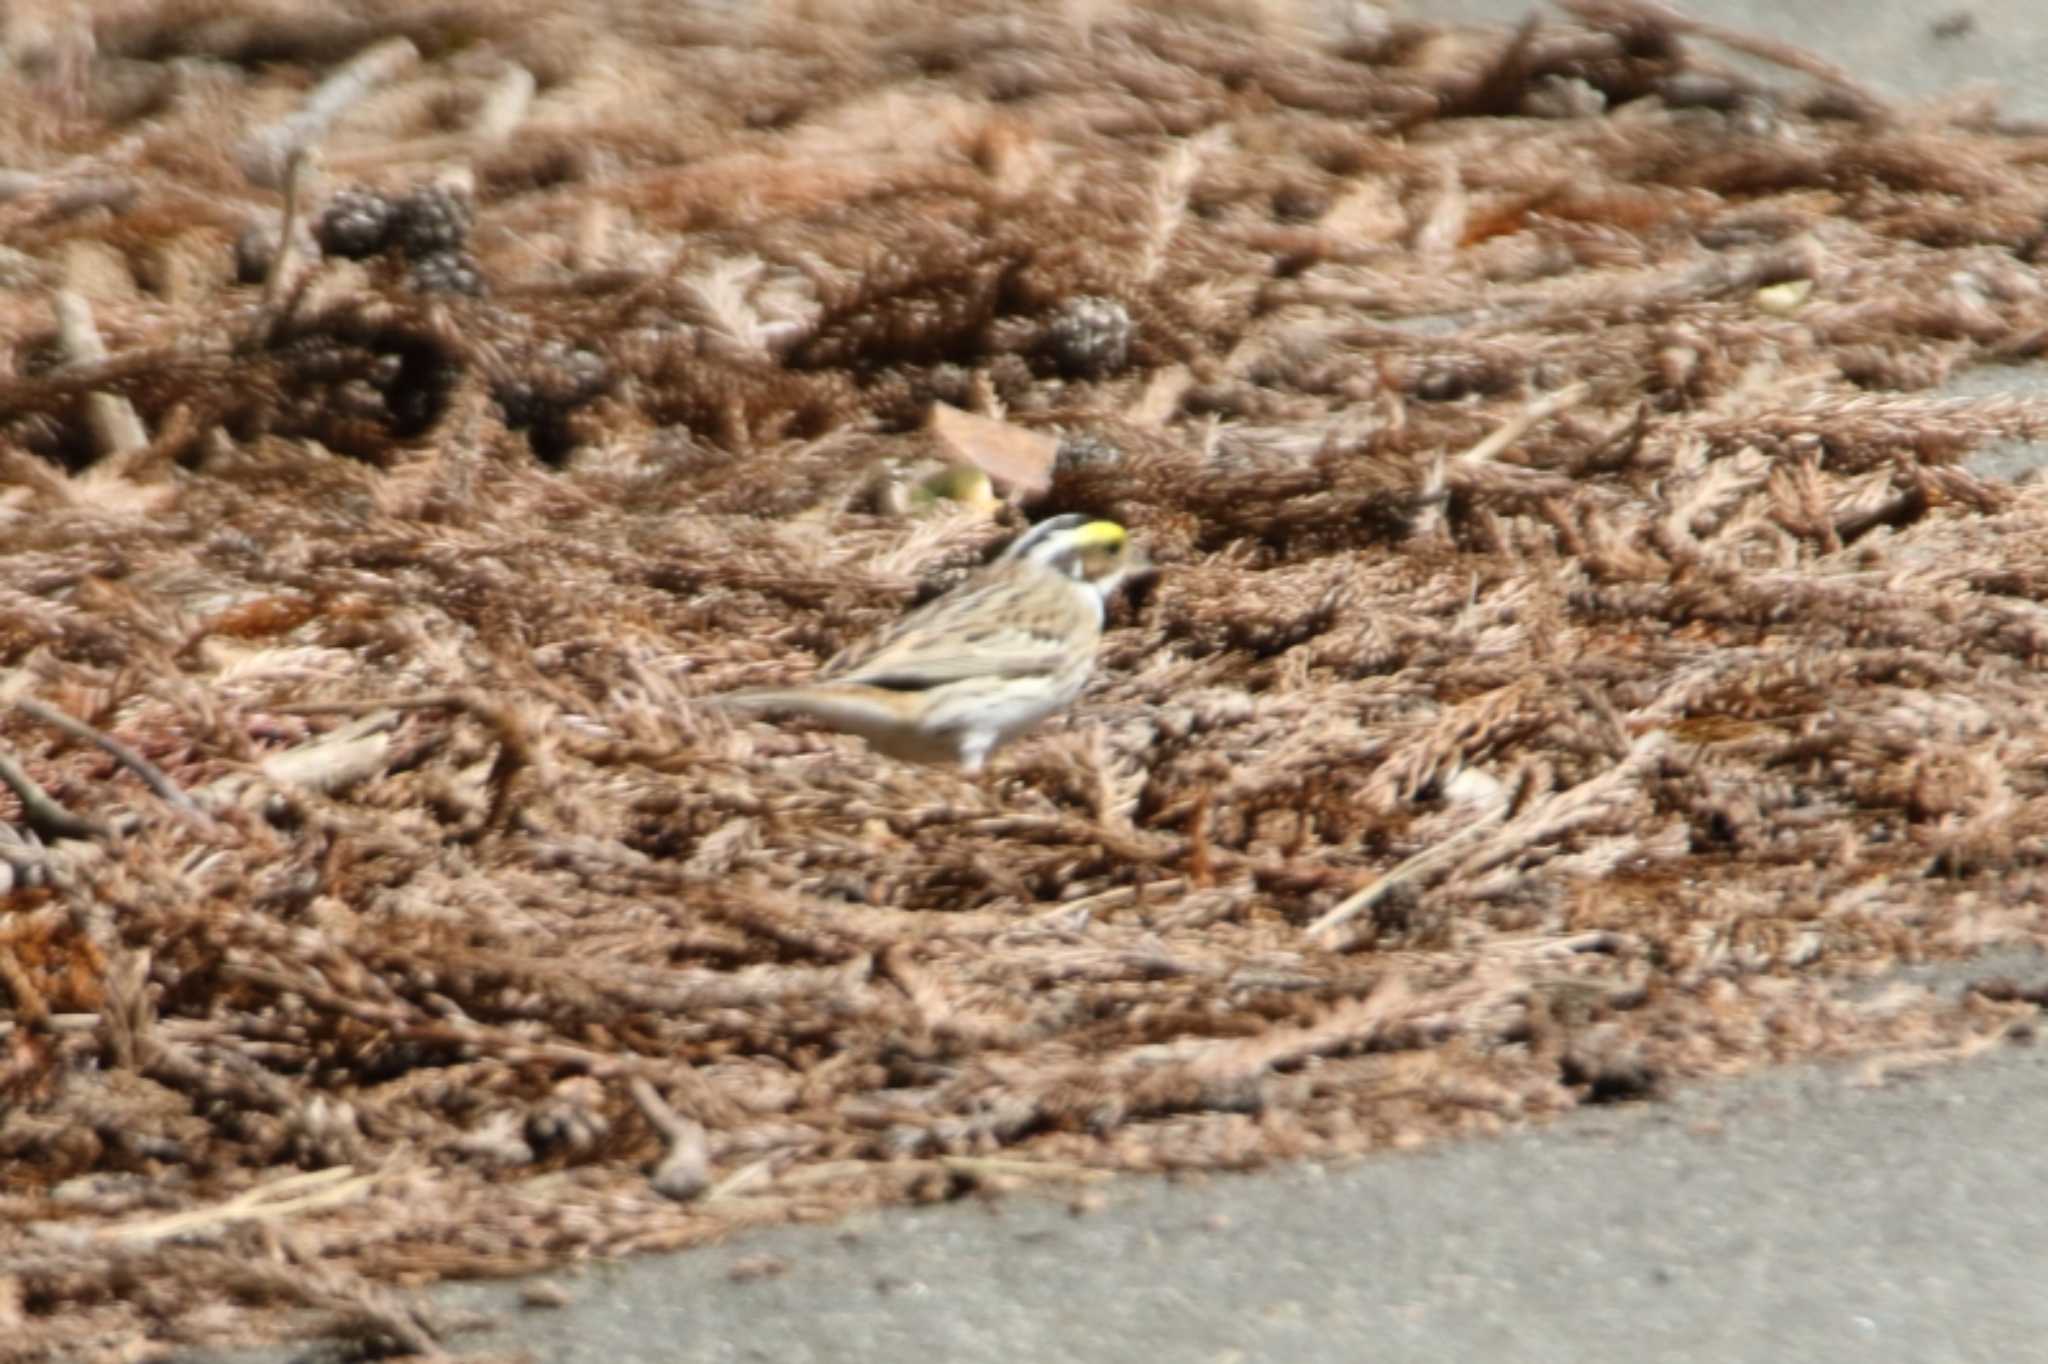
746 1177
504 108
1418 867
42 811
1113 898
266 155
498 116
152 776
443 700
684 1172
309 1191
298 176
1515 427
986 1167
331 762
116 429
1431 495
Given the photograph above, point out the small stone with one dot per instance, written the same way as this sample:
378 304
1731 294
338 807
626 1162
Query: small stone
1090 338
1087 450
544 1293
755 1267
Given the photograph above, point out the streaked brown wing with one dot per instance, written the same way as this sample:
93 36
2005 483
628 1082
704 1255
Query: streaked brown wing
982 629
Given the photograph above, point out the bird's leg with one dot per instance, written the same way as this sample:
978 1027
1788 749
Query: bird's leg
974 751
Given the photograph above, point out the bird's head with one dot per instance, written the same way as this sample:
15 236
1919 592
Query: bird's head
1098 553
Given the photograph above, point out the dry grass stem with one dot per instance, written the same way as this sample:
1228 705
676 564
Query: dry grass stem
115 428
266 156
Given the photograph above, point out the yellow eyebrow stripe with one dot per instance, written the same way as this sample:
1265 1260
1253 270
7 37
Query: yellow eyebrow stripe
1104 533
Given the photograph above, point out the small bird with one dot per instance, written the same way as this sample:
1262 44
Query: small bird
975 668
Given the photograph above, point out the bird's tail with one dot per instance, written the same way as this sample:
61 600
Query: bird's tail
753 701
858 710
886 719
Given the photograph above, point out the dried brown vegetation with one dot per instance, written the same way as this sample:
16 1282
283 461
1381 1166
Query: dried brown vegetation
1436 783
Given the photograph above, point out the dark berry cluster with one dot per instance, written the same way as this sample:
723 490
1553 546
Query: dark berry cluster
445 272
428 226
556 378
356 223
432 220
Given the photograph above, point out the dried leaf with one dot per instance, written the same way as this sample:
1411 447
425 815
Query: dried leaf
1009 454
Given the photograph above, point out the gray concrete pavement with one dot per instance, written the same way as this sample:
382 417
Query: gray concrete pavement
1902 48
1797 1216
1814 1214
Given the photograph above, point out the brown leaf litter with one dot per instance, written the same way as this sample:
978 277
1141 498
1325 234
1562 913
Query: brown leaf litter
1580 653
